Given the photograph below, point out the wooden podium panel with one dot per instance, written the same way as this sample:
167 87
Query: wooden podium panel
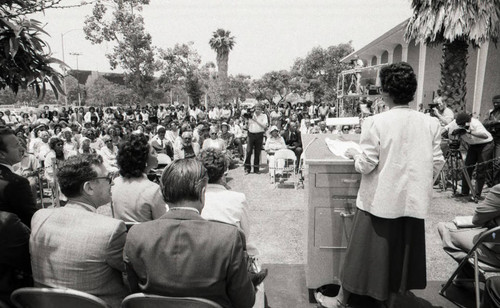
331 188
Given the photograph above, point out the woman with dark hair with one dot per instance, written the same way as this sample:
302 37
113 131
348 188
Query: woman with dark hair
400 154
135 198
108 116
222 204
53 158
91 116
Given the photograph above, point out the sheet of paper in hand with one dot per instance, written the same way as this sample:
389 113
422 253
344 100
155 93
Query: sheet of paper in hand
338 147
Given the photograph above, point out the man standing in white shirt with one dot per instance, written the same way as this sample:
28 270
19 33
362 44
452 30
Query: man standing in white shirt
444 114
257 125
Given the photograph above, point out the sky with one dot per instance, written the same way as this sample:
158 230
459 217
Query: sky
269 34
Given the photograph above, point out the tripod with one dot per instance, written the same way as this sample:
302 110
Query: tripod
453 170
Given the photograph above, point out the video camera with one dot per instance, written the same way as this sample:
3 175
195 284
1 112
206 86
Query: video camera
430 109
454 138
461 130
248 114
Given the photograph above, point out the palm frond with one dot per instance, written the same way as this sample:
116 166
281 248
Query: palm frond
438 21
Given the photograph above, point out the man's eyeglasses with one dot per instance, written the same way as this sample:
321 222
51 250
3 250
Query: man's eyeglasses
345 129
108 177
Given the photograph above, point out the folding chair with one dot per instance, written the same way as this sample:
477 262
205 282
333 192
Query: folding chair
141 300
285 161
163 160
491 237
49 298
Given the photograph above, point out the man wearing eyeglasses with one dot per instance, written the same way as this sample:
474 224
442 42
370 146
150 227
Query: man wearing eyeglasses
73 246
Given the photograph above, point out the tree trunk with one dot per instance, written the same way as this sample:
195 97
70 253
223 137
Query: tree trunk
453 72
222 65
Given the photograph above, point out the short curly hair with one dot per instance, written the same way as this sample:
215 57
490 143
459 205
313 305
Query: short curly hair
215 162
75 171
133 153
399 81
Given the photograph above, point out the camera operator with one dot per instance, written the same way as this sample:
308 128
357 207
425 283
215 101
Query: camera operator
444 114
472 132
257 125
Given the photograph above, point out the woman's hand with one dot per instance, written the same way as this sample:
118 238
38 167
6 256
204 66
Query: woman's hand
351 152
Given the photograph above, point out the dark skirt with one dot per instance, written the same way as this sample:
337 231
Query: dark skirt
384 256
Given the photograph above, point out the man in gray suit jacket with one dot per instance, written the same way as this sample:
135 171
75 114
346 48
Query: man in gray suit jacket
182 254
74 247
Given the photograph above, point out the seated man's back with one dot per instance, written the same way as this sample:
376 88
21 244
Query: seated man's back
182 254
76 249
189 256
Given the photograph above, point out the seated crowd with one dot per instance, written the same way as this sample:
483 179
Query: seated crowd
78 247
98 164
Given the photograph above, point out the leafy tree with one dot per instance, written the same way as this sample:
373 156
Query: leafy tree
274 86
25 58
177 63
180 68
222 43
193 88
101 91
456 25
317 73
133 51
71 89
240 86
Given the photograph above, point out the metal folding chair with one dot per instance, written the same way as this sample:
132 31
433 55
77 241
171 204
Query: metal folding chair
481 269
285 162
141 300
50 298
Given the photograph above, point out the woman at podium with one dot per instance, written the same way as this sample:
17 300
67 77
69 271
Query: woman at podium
400 153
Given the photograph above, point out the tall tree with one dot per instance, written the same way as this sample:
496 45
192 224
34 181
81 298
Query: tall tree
181 68
240 86
274 86
222 42
25 60
134 51
101 91
455 24
317 72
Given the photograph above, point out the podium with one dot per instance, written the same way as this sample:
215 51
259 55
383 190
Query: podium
331 188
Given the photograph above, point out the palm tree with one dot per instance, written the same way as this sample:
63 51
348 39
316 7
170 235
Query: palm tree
455 24
222 42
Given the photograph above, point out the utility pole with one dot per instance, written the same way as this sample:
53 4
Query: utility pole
77 54
64 68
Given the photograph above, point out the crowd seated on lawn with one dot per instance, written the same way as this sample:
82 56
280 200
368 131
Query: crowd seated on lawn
94 146
162 125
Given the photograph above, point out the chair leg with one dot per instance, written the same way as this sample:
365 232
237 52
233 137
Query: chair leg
476 280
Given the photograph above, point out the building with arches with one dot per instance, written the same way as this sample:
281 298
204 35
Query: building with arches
482 77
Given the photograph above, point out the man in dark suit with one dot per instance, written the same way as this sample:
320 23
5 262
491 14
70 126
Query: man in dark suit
182 254
293 140
15 267
15 191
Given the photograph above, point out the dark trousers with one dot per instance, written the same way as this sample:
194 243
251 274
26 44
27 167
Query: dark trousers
254 145
239 145
491 297
477 153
